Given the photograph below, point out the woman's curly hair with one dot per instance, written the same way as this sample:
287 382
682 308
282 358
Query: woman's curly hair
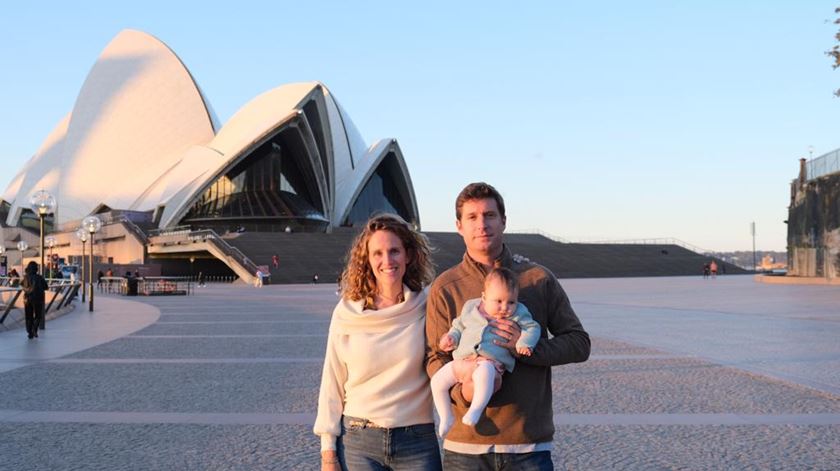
358 281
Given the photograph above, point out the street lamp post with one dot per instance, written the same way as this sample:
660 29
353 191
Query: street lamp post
82 234
42 203
50 242
752 231
22 246
92 224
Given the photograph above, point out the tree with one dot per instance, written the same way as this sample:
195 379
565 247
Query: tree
834 52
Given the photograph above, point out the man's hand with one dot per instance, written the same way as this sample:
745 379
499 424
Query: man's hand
447 343
508 330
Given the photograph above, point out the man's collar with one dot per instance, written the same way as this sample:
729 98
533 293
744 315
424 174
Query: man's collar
505 259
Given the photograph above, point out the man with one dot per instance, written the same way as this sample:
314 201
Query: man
34 292
517 429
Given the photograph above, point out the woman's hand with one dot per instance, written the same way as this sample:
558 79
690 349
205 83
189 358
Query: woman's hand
508 330
447 343
329 461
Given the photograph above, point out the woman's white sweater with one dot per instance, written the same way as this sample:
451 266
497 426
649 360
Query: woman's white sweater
373 368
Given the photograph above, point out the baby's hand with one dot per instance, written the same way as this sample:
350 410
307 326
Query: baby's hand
525 351
447 343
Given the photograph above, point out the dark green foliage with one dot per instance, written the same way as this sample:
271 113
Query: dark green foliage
834 52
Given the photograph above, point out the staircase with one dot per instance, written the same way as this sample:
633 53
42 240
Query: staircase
303 255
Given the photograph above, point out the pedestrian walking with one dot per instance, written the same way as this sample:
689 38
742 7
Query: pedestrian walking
34 291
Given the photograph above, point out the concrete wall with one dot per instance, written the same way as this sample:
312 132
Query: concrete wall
114 245
814 227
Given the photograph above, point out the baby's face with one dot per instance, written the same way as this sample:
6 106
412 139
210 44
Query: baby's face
499 302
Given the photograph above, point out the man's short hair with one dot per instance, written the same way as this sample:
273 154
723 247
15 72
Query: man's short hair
506 276
478 191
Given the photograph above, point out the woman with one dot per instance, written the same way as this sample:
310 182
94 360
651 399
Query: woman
375 404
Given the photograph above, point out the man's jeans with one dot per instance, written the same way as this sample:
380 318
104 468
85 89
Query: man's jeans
536 461
363 445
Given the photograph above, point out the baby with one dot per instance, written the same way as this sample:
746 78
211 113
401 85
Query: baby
476 350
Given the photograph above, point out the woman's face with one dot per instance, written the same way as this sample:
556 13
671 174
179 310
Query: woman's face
387 258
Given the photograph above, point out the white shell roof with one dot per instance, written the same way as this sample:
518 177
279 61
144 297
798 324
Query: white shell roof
142 135
352 185
245 128
41 172
137 113
259 116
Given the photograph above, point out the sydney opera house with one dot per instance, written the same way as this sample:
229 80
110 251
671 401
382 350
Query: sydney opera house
143 149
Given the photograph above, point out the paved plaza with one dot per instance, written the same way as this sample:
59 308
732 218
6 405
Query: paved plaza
685 373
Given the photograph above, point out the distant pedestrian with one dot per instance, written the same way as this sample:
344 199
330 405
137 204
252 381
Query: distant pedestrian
201 283
706 270
34 291
713 268
275 261
14 278
315 278
99 277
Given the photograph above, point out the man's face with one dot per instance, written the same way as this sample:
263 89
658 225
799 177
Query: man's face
481 226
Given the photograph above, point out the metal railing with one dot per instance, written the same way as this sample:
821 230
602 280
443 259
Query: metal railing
134 229
207 279
170 231
654 241
645 241
165 285
540 232
209 235
177 235
823 165
112 285
65 291
147 285
12 300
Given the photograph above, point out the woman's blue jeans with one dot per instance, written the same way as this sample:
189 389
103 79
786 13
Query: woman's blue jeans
364 446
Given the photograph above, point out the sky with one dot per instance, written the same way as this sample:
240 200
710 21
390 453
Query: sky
595 120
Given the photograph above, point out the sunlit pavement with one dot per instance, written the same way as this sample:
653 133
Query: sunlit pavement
685 373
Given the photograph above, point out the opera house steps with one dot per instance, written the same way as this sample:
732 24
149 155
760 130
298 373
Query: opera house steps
302 255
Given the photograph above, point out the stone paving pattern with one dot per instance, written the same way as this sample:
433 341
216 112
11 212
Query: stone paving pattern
239 350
